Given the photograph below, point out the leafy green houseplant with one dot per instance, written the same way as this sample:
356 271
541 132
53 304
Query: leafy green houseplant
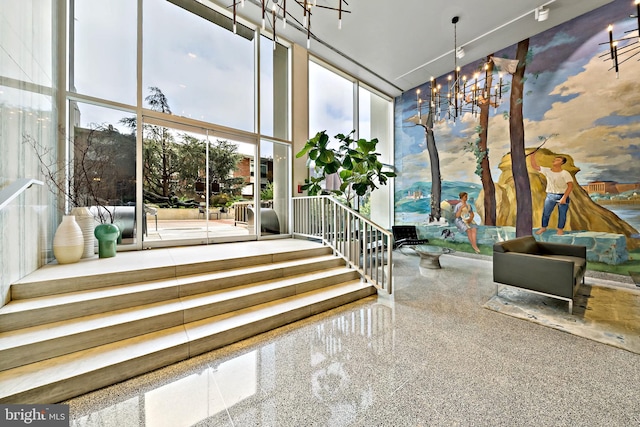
355 161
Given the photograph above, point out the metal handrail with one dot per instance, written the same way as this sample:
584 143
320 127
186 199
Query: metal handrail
363 244
13 190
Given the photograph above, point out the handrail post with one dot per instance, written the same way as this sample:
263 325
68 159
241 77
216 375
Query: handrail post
323 228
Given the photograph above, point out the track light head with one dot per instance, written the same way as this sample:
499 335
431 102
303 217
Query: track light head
541 14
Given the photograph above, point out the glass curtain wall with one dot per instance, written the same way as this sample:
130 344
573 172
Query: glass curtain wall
339 104
193 88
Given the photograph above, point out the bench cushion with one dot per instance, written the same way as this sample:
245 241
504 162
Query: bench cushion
523 245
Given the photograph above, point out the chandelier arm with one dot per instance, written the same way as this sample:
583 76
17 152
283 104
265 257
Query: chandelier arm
628 58
627 48
295 19
332 8
606 57
290 18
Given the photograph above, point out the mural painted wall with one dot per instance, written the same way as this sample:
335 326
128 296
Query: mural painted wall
573 105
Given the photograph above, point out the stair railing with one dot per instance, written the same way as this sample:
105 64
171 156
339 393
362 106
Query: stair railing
13 190
364 245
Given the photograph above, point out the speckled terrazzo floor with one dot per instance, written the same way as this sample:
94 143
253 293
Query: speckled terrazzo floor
603 313
429 356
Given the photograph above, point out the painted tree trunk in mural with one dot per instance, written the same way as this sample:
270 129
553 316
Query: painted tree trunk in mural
516 133
485 171
434 161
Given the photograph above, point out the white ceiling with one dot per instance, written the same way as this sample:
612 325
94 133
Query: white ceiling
396 45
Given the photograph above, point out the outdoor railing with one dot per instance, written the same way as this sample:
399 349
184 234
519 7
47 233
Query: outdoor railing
241 215
364 245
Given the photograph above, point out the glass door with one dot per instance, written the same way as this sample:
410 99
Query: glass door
196 185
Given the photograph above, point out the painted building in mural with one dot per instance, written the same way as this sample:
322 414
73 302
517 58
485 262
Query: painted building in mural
573 104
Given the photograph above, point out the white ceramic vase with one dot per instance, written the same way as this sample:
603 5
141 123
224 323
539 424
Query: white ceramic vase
68 242
87 223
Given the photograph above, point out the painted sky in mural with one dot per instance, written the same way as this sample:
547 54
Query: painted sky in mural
569 93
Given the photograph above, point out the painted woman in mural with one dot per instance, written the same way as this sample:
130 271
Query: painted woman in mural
559 186
463 213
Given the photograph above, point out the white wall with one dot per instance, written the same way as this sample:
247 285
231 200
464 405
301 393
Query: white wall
27 113
382 198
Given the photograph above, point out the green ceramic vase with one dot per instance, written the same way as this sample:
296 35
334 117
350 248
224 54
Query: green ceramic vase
107 235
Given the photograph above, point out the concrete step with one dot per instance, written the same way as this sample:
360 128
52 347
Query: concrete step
53 279
33 344
24 313
63 377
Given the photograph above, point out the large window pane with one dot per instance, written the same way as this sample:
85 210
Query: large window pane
330 102
103 166
330 109
374 114
274 89
103 40
374 121
206 70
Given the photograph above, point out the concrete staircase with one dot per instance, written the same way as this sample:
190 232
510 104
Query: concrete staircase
68 335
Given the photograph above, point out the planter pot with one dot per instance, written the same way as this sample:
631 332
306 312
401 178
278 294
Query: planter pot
87 224
107 235
68 242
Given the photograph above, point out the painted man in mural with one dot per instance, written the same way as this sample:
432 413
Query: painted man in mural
559 186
